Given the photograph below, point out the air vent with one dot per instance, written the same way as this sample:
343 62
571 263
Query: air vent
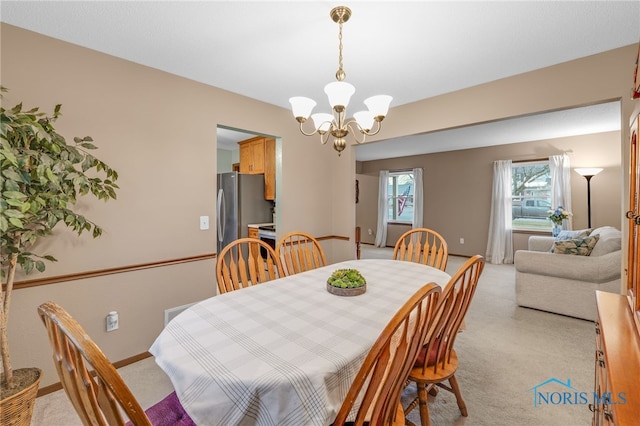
171 313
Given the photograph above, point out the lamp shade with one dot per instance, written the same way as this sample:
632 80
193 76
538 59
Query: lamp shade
301 106
378 105
322 121
588 171
339 93
364 119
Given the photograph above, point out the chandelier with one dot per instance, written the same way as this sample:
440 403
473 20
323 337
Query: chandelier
363 123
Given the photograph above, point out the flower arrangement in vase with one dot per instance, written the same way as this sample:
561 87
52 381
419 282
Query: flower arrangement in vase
557 216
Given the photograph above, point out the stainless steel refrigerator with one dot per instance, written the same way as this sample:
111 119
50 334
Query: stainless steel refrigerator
240 202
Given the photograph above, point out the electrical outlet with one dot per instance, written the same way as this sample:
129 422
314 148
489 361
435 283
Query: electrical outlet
461 240
369 231
112 321
204 223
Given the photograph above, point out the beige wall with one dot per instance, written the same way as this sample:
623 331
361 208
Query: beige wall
158 131
367 207
457 187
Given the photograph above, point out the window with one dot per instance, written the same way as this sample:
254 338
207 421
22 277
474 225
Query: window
531 195
400 198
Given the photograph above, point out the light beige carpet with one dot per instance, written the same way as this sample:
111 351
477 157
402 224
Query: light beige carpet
504 352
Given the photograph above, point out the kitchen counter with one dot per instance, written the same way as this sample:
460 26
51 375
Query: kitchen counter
257 225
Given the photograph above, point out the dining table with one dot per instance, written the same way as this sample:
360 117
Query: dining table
284 352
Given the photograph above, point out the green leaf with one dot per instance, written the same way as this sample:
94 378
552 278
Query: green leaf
88 145
27 265
13 175
13 213
14 194
14 202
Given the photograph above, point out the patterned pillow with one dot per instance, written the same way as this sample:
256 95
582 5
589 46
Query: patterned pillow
569 235
578 246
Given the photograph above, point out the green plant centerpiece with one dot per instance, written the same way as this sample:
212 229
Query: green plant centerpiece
42 178
346 282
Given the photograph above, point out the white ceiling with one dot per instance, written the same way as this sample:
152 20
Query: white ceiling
271 51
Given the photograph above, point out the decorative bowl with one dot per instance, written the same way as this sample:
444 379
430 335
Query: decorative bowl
346 282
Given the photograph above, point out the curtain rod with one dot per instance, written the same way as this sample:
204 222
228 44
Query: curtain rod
530 160
402 170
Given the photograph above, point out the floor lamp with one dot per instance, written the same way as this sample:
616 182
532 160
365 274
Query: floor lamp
588 173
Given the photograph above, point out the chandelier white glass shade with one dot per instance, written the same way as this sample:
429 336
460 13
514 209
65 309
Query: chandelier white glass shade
336 125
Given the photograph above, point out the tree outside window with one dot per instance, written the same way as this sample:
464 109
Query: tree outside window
401 187
531 195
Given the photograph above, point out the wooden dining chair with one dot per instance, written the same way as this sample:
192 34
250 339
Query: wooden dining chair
422 245
299 252
379 382
93 385
437 362
246 262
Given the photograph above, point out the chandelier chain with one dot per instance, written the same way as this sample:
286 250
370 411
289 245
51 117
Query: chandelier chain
340 75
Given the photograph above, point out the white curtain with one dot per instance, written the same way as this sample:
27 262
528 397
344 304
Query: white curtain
383 209
560 171
500 244
417 199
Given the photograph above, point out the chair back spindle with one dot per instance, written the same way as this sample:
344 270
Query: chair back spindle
422 245
246 262
299 252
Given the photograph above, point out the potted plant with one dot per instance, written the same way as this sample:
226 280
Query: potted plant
42 178
346 282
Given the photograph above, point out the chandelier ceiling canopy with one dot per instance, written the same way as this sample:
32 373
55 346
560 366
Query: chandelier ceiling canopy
336 125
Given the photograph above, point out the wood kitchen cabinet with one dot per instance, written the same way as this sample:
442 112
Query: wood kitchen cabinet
252 156
270 169
258 156
253 232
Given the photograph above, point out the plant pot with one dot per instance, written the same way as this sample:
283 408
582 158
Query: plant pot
353 291
17 409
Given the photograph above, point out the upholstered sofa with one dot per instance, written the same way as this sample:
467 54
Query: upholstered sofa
549 280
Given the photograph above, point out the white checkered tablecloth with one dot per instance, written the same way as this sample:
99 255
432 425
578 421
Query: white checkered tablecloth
284 352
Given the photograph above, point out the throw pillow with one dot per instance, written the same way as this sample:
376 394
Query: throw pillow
578 246
569 235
